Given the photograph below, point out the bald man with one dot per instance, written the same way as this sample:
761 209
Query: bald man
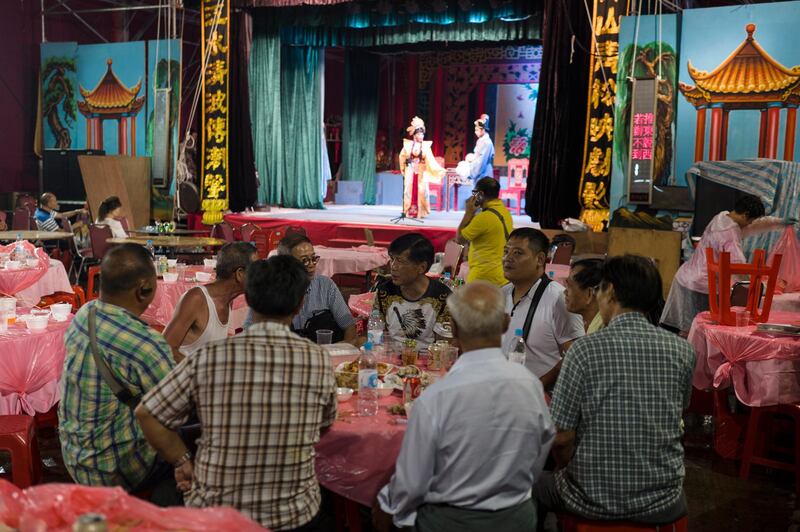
478 438
101 441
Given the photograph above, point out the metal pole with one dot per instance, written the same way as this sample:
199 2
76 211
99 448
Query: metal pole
44 39
74 14
101 10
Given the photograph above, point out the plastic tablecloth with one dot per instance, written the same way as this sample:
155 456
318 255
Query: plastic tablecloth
55 507
348 260
54 280
763 369
162 308
30 367
789 302
13 281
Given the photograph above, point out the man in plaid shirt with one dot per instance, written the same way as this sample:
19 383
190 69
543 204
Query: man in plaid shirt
618 406
262 398
101 442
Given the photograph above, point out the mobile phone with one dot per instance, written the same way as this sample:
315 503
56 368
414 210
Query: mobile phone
478 199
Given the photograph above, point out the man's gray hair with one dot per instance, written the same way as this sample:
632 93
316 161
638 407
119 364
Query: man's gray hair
478 309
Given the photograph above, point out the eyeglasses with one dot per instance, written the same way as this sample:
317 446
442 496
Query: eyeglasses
308 261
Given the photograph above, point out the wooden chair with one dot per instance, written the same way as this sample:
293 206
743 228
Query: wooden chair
517 183
719 279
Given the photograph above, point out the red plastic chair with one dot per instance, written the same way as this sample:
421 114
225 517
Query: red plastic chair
223 231
18 438
260 238
21 220
92 275
572 523
247 231
719 281
274 238
755 442
517 183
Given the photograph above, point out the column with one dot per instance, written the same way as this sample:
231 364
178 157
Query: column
791 127
723 148
437 109
700 134
714 141
133 136
122 135
88 133
762 133
98 143
773 127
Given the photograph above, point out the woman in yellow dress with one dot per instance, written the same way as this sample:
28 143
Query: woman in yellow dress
419 168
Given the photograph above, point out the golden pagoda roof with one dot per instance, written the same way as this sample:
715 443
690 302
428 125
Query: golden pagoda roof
111 96
747 77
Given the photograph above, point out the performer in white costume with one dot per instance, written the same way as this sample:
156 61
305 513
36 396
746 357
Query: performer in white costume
419 168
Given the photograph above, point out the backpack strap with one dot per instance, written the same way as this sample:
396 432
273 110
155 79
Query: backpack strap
120 391
499 217
537 296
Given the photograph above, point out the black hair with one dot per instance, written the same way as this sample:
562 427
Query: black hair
419 248
489 187
537 241
232 256
291 241
636 282
589 274
276 286
44 198
124 267
108 205
750 206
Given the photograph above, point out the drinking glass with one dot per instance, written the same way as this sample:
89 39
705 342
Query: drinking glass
743 318
324 336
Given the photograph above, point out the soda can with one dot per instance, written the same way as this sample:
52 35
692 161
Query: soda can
412 387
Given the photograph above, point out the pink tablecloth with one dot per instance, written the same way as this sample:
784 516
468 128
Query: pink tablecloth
13 281
557 272
167 296
764 370
30 367
54 280
348 260
786 302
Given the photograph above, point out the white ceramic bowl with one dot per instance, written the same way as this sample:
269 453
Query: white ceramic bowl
209 264
60 311
12 265
32 263
37 323
202 277
8 304
172 262
385 390
343 394
170 277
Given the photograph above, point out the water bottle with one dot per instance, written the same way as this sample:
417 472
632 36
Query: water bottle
151 249
375 327
367 383
517 353
19 252
448 282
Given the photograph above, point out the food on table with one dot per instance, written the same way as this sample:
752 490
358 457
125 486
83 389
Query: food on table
397 410
347 373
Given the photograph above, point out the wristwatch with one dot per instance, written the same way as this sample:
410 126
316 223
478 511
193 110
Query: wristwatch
187 456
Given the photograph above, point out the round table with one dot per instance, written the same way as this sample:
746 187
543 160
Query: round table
348 260
30 367
55 279
164 241
34 235
174 232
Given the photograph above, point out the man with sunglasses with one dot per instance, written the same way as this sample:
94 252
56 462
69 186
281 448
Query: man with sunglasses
202 313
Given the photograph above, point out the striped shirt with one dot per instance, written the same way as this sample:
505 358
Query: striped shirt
262 397
101 441
46 221
623 390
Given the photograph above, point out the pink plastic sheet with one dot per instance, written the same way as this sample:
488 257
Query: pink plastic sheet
789 274
763 369
356 457
361 304
54 280
55 507
348 260
30 367
789 302
13 281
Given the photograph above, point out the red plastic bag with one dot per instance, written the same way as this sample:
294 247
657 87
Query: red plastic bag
789 274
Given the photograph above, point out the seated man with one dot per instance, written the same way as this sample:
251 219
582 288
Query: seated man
410 303
47 215
202 312
323 307
618 405
262 397
536 305
101 442
580 294
477 439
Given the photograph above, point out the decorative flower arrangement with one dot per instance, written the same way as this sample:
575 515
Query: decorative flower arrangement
517 142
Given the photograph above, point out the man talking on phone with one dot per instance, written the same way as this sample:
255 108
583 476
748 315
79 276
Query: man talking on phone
486 225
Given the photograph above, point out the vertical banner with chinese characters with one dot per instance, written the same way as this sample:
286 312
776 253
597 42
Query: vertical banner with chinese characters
640 163
596 175
214 188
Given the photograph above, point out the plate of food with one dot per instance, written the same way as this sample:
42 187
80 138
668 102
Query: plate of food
779 328
347 373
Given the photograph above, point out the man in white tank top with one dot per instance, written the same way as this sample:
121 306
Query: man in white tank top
202 313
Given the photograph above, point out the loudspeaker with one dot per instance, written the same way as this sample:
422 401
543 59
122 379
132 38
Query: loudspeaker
62 175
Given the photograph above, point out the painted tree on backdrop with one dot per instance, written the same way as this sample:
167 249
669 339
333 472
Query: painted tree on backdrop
59 93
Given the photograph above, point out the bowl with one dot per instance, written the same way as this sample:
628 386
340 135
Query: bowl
172 262
32 263
36 311
170 277
12 265
343 394
36 323
60 311
202 277
385 390
209 264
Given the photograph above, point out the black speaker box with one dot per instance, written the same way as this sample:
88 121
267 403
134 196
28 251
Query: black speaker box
62 174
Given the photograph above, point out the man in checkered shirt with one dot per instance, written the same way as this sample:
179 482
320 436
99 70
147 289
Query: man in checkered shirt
618 407
262 398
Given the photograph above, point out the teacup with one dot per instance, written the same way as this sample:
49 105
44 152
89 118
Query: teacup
209 264
60 311
202 277
170 277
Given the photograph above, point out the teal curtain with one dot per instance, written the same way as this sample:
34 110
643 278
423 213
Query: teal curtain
360 121
287 137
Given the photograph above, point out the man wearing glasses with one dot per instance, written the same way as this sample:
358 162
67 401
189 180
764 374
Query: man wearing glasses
323 307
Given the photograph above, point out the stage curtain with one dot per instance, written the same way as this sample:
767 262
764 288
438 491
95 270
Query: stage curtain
560 123
360 121
243 187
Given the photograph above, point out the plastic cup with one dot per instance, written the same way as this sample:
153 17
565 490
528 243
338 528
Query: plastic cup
3 321
742 318
324 336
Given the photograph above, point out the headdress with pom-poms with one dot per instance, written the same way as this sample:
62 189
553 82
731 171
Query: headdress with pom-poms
483 122
416 125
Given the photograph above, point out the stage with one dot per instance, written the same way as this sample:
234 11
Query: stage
343 225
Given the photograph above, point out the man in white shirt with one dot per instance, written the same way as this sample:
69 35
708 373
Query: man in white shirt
477 439
551 329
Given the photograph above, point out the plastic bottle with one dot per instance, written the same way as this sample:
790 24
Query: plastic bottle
367 383
517 353
151 249
375 328
448 282
163 265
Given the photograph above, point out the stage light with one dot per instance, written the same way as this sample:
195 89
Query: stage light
515 19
